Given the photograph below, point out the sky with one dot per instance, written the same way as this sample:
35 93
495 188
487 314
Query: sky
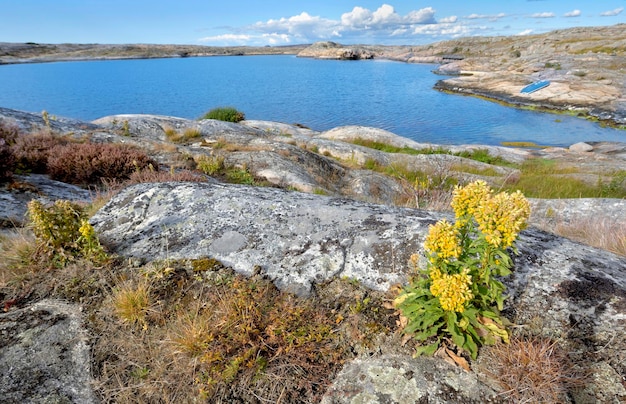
291 22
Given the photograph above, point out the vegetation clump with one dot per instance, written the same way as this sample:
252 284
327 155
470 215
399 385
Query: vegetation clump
532 370
178 137
227 114
458 294
196 331
88 163
8 135
481 155
63 232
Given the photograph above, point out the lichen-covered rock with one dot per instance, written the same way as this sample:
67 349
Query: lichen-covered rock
296 239
44 355
14 198
401 379
560 289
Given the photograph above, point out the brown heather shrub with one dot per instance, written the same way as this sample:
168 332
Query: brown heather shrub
8 134
32 151
89 163
164 176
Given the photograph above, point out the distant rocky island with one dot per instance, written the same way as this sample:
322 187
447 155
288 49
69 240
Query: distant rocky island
585 66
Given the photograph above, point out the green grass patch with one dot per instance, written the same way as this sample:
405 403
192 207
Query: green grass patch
227 114
544 178
466 168
481 155
525 145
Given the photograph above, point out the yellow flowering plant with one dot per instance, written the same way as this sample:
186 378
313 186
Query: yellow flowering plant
459 295
63 232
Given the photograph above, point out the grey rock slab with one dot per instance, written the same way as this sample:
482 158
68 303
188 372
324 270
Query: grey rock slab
13 201
392 379
29 121
580 147
44 355
297 239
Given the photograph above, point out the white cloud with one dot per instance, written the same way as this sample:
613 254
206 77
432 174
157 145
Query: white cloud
490 17
525 32
226 38
382 25
277 39
543 15
612 13
385 16
448 20
573 13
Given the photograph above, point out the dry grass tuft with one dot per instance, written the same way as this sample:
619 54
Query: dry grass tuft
532 370
17 250
601 232
132 303
188 134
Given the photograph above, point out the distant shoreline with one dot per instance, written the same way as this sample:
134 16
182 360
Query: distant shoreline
22 53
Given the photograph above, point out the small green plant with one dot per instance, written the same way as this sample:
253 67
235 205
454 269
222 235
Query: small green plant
227 114
210 165
125 128
186 135
553 65
62 231
241 175
458 294
46 119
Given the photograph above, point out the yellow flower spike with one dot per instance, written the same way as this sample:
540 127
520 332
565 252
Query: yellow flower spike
453 291
501 218
443 240
466 200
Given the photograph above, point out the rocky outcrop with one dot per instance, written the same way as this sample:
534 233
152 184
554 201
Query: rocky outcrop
566 290
400 379
296 239
332 50
45 356
581 63
14 199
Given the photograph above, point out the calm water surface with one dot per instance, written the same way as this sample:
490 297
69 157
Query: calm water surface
320 94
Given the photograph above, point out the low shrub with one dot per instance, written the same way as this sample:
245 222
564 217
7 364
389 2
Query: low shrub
8 135
210 165
32 151
458 296
227 114
142 176
186 135
63 232
90 163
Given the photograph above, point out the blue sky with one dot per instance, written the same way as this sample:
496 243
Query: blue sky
284 22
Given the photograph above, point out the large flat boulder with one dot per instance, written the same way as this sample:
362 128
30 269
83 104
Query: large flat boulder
565 290
44 355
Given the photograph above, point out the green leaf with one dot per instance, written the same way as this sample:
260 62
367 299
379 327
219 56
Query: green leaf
427 349
471 347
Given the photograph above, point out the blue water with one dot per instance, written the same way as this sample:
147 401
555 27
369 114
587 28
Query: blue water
320 94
